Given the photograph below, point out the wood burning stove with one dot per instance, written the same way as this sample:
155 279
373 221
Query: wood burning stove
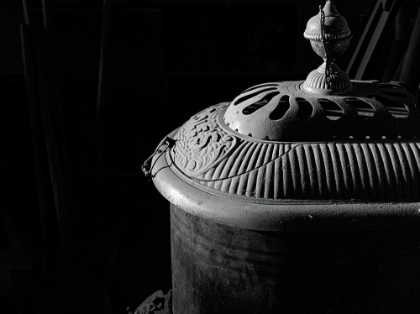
298 196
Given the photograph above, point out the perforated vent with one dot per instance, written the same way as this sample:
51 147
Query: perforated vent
331 110
282 111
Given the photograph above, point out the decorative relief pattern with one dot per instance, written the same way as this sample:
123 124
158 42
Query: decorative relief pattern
201 143
157 303
276 111
214 157
342 171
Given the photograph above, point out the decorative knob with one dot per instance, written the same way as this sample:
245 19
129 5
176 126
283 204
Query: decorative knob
330 36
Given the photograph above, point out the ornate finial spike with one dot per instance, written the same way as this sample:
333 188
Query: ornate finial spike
330 9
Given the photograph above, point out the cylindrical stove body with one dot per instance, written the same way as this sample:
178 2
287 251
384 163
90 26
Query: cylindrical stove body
348 242
297 197
223 269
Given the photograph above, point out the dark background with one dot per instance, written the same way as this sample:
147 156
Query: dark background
168 60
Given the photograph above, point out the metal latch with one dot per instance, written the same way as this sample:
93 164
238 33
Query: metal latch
147 167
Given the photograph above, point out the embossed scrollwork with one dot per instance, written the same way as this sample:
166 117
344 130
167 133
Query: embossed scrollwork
201 142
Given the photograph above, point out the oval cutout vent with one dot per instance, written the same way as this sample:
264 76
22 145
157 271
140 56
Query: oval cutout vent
243 98
331 109
261 103
281 108
395 108
363 109
283 111
305 108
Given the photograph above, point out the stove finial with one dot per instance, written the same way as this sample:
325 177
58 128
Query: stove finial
330 36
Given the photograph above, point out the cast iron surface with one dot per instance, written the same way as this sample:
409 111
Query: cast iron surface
330 37
213 156
277 215
336 27
277 143
338 175
222 269
282 111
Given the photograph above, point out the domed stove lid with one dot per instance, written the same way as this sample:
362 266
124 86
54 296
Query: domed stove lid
284 111
317 146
